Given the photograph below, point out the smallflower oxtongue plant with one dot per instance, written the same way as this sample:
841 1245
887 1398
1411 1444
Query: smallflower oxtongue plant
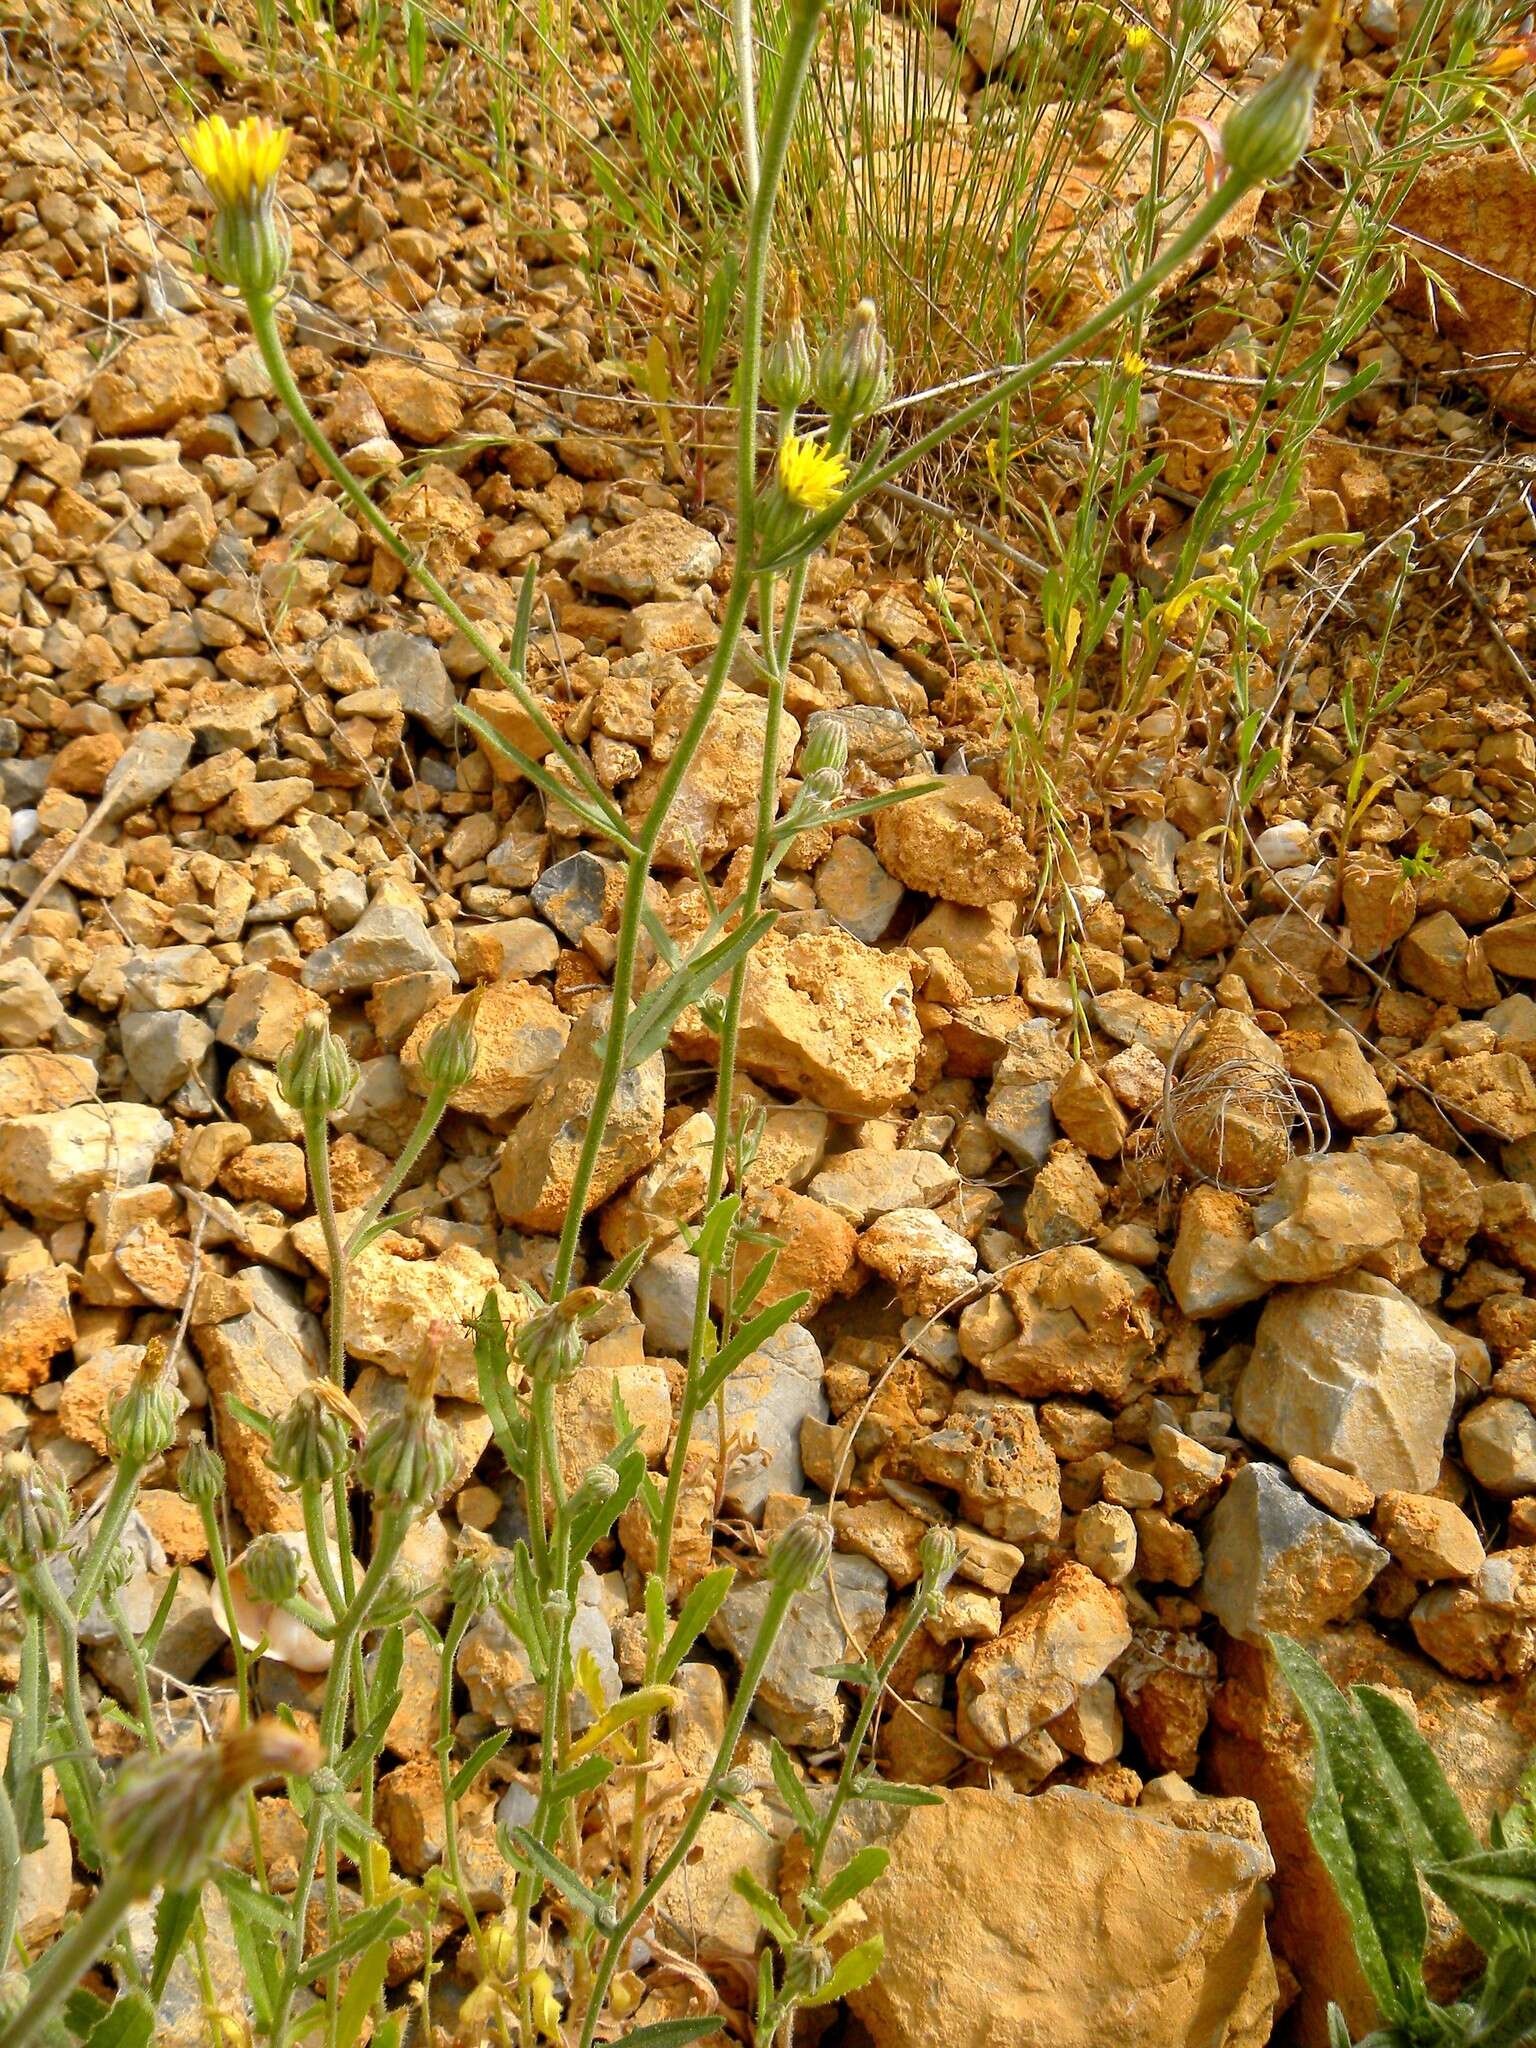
248 247
811 476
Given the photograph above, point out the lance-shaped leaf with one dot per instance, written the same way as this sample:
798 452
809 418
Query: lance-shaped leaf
651 1020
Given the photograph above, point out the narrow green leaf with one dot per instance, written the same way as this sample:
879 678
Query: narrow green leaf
750 1337
671 2033
129 2022
531 1852
848 1674
651 1020
851 1972
254 1944
374 1924
581 1778
1367 1859
251 1417
767 1908
709 1240
173 1923
362 1993
619 1275
791 1791
700 1606
149 1642
861 1869
885 1792
467 1772
535 772
517 653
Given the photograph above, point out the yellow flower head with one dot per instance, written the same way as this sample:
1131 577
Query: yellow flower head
1138 38
247 245
1133 364
812 477
238 165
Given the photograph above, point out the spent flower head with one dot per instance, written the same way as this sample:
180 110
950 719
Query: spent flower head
316 1436
142 1423
853 375
409 1457
448 1057
169 1813
1265 135
788 372
799 1554
34 1512
247 245
201 1477
810 475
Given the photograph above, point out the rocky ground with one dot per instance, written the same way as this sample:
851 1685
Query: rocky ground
1193 1288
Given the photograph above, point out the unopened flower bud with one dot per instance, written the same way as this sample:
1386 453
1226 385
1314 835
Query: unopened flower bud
272 1569
169 1813
316 1074
826 747
806 1970
315 1437
201 1477
799 1555
448 1057
938 1553
599 1483
34 1512
736 1783
409 1457
550 1344
1265 135
119 1568
788 373
852 375
142 1424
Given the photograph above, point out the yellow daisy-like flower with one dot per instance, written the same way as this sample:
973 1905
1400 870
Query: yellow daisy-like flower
811 476
1138 38
247 246
238 164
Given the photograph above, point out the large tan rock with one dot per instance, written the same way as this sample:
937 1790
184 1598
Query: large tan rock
1065 1922
1083 1324
1259 1748
153 382
519 1036
1350 1370
823 1017
1479 208
533 1178
50 1163
1065 1636
961 843
715 810
260 1360
394 1303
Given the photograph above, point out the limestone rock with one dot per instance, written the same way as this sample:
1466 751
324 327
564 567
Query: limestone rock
1479 209
1350 1370
1084 1325
414 404
990 1450
1323 1216
1067 1634
823 1017
658 555
927 1263
960 843
153 382
261 1360
1110 1926
388 939
1498 1446
532 1182
767 1398
1429 1537
829 1623
1274 1561
519 1037
51 1162
36 1324
392 1304
715 810
864 1184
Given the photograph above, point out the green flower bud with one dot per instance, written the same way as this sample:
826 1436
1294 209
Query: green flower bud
825 749
853 375
477 1580
806 1970
735 1783
1266 134
316 1436
142 1423
317 1073
550 1344
272 1570
787 373
168 1814
408 1458
798 1557
599 1483
120 1567
448 1057
938 1553
34 1512
201 1477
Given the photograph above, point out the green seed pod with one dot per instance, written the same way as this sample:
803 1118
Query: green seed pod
168 1814
142 1423
315 1437
448 1057
806 1970
787 374
272 1570
798 1557
34 1512
201 1477
599 1483
736 1783
317 1073
825 749
409 1458
853 375
1266 134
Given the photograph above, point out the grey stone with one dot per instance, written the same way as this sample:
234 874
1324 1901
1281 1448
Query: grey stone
664 1291
164 1050
569 895
411 666
172 978
1274 1561
387 940
767 1398
864 1184
794 1701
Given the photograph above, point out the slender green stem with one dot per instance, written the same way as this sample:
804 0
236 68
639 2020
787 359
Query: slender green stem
214 1537
317 1146
23 1768
262 311
70 1957
44 1590
781 1593
452 1863
842 1791
109 1530
10 1876
431 1116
